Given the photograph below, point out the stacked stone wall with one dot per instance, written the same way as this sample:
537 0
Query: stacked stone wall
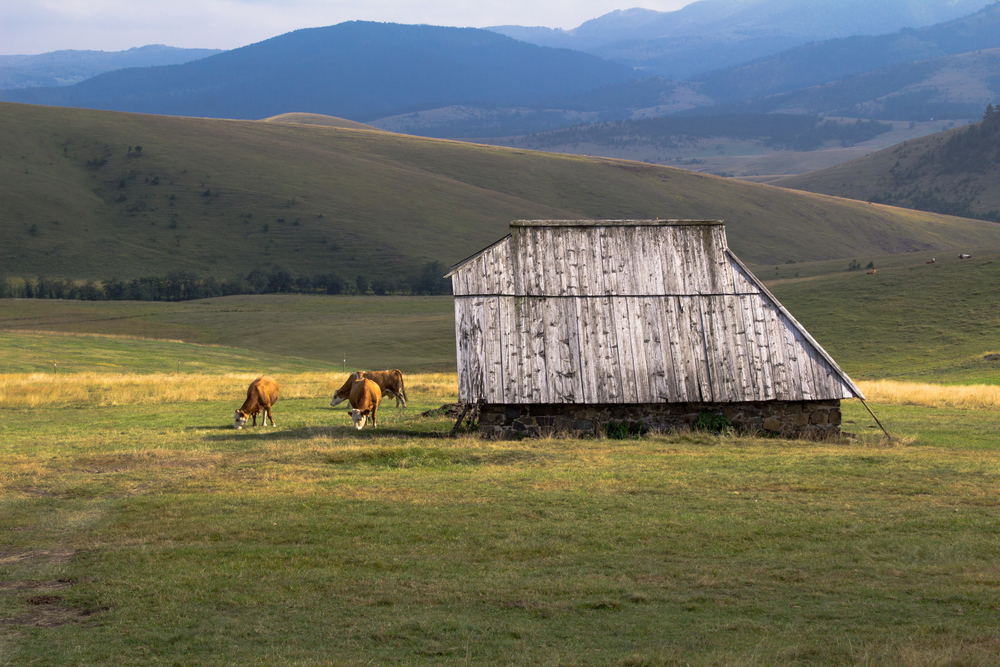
793 419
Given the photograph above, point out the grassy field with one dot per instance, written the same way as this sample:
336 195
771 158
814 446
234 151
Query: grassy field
153 533
220 198
273 333
138 527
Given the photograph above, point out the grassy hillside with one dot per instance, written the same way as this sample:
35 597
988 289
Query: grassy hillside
954 87
957 171
318 119
220 198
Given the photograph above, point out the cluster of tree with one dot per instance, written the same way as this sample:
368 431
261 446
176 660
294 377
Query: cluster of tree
973 149
972 152
788 131
185 285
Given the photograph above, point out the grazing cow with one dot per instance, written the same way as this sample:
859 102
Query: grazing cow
932 261
261 395
872 271
390 383
365 397
964 256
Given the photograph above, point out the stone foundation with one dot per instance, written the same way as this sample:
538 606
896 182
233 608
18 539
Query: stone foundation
797 419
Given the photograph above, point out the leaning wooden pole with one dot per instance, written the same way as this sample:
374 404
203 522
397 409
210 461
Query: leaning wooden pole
875 418
461 417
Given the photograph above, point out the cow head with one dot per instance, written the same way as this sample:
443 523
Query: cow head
241 419
360 418
344 392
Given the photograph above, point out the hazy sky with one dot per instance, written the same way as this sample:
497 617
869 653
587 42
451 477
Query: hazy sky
38 26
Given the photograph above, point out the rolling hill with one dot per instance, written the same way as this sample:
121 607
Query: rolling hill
64 68
355 70
96 194
955 172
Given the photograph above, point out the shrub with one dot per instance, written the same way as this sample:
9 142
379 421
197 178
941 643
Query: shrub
713 423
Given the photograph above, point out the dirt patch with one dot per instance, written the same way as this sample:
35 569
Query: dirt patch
48 585
56 557
45 609
50 615
447 410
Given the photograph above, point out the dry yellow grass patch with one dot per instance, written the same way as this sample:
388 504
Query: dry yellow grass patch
971 397
33 390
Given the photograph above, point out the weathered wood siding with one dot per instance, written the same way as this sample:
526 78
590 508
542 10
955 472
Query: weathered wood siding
628 313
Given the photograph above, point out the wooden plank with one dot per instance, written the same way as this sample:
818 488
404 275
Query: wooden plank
571 319
716 350
673 377
766 368
751 347
720 349
560 362
655 371
780 372
515 371
681 348
493 344
609 262
589 350
567 247
609 378
626 358
736 335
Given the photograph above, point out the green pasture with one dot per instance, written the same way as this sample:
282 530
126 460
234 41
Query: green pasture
153 534
269 333
156 534
910 321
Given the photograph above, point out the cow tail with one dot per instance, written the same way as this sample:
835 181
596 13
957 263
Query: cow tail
402 389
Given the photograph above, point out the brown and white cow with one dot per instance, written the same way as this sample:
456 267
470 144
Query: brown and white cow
365 397
261 395
389 382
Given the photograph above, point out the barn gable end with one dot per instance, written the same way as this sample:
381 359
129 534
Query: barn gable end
631 313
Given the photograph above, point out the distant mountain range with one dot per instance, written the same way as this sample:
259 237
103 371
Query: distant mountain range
356 70
714 34
64 68
477 84
832 60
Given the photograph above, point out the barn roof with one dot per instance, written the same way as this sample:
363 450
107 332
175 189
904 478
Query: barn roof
628 311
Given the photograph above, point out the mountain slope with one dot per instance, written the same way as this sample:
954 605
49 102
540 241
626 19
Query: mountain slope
712 34
828 61
80 199
63 68
956 172
355 70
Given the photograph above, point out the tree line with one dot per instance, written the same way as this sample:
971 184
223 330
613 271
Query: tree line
187 286
790 131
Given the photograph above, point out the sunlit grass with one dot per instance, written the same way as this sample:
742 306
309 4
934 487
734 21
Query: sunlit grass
34 390
971 397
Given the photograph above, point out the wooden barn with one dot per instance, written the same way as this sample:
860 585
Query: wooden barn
568 326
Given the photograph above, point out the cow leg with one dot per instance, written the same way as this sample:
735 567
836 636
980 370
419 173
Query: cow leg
270 416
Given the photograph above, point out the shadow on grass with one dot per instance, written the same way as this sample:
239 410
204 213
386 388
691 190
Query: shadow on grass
309 432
